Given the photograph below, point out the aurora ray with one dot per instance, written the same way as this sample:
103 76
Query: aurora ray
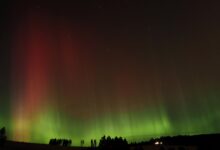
134 70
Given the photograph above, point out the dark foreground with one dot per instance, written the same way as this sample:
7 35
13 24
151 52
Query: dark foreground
196 142
11 145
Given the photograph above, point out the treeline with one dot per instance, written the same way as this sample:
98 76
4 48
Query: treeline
113 143
203 141
60 142
105 143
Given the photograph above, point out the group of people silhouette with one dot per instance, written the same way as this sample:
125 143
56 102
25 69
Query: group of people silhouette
93 143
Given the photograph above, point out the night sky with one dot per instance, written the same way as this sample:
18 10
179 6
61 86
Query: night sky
133 68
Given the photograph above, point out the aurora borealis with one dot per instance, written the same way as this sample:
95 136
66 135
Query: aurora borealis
81 70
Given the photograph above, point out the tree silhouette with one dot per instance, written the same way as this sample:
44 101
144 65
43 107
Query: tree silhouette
2 136
113 143
60 142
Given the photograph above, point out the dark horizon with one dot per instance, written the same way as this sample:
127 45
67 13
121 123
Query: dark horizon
183 142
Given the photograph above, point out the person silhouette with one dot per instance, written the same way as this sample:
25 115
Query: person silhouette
82 143
92 144
95 143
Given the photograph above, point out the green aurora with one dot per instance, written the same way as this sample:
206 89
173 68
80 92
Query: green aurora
81 70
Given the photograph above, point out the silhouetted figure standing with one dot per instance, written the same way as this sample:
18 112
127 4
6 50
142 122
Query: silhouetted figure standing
70 142
94 143
82 143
